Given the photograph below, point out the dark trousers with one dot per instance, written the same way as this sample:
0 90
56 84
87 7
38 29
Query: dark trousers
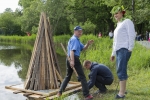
81 75
101 82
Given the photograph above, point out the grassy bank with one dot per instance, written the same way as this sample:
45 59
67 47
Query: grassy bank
138 85
18 39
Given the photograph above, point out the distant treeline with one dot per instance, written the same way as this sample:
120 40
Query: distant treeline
93 15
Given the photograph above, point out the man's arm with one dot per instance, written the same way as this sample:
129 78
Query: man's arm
92 80
88 43
72 58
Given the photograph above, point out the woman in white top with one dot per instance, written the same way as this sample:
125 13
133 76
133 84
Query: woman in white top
123 43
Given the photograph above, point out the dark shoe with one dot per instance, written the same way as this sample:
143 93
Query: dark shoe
103 92
59 94
89 97
119 97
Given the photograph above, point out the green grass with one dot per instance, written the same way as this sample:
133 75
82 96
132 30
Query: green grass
18 39
138 86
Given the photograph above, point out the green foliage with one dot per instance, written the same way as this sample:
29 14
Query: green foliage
100 51
66 14
88 27
140 57
8 24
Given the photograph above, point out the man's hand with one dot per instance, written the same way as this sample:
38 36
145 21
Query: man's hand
90 42
71 63
112 58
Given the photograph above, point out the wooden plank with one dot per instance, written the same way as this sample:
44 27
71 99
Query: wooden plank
26 91
16 92
56 91
27 94
65 93
42 67
53 48
30 69
60 78
52 56
49 56
33 84
39 97
41 93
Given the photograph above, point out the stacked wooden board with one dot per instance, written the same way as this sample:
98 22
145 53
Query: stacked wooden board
43 72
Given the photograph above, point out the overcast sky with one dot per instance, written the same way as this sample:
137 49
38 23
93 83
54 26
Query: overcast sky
13 4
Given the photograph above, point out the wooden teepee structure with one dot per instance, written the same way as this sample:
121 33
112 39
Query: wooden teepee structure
43 72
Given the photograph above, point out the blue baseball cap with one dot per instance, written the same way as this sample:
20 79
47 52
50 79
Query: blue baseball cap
77 28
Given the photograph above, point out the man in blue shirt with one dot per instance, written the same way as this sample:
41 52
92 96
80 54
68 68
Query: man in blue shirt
100 75
74 48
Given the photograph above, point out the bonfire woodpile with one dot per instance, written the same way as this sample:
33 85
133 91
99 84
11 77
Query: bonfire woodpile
44 71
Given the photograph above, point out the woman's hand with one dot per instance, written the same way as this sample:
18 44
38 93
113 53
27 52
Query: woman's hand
112 58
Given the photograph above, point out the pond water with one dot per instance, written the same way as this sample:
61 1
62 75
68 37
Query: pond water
14 62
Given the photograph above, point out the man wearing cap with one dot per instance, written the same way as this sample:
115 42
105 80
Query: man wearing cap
74 48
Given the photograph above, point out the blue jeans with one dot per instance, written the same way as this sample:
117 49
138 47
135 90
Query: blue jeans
122 58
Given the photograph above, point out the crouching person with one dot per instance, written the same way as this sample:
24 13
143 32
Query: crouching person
100 75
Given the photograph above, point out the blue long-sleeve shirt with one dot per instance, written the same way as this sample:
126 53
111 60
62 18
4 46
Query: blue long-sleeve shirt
100 70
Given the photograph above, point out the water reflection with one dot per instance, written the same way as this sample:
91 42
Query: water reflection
9 76
14 62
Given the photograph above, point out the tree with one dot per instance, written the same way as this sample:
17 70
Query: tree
53 8
9 25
